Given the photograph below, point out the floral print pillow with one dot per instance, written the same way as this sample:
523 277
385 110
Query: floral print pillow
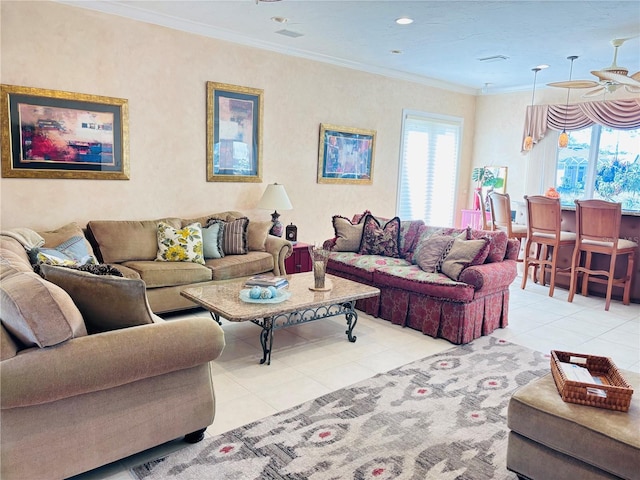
180 244
380 240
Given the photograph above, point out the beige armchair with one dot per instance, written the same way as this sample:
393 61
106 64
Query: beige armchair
73 401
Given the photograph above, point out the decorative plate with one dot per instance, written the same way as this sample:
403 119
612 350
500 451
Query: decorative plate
282 296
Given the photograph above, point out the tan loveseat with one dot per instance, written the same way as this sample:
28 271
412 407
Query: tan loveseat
89 374
131 246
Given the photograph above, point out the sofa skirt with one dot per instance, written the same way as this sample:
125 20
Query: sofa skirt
456 322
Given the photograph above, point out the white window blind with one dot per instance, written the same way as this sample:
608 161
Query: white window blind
428 168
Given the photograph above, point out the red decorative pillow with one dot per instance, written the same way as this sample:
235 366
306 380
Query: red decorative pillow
380 240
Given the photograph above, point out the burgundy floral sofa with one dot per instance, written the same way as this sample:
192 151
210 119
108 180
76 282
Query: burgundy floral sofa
411 264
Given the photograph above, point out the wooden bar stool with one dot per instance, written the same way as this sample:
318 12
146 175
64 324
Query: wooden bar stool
543 229
501 217
598 231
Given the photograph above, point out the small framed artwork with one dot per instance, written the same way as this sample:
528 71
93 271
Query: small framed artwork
234 133
346 155
57 134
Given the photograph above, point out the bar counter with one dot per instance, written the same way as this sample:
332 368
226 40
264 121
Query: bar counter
629 229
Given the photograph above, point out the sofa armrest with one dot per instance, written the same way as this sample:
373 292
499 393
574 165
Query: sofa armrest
280 249
107 360
513 249
490 277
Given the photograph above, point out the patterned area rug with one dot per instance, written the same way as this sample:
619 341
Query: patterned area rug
442 417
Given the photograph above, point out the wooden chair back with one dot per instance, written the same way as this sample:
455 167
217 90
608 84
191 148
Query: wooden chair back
599 220
543 215
501 212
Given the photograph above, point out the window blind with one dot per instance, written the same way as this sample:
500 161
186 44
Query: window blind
428 168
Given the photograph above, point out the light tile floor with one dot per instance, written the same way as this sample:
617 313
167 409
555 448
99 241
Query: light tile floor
312 359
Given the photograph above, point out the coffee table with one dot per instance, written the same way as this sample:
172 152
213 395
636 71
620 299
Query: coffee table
304 305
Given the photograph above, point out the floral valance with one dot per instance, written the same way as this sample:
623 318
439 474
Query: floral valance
620 114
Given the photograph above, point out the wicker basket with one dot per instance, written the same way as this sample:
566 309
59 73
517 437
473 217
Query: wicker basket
614 393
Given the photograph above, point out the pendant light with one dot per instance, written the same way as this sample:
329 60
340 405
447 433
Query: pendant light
528 142
563 140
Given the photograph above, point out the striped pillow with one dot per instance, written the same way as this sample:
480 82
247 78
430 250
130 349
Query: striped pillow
234 237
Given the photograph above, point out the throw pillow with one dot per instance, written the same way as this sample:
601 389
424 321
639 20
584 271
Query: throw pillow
50 319
56 238
380 240
462 254
180 244
234 238
257 233
106 302
72 251
348 235
432 249
212 239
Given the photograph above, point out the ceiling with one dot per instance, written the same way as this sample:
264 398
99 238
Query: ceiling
442 47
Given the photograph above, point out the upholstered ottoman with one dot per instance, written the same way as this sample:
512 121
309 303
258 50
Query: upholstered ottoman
551 439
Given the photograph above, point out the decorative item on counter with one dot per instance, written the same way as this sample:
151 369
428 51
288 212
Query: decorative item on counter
292 233
319 257
552 193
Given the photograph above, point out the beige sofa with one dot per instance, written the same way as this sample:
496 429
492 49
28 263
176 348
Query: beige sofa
131 246
89 374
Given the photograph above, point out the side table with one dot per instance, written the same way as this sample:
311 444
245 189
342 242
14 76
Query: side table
300 259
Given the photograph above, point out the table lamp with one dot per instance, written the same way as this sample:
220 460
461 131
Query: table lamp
275 198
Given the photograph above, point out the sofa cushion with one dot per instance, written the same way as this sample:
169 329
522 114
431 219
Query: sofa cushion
463 253
235 266
204 219
257 235
234 236
165 274
212 239
427 232
37 312
122 240
11 262
180 244
106 302
348 235
413 279
361 266
431 252
380 239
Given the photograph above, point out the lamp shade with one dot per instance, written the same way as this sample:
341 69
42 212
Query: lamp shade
275 198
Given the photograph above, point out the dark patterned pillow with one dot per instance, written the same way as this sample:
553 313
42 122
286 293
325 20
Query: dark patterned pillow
98 269
380 240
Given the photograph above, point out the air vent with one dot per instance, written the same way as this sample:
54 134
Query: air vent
494 58
290 33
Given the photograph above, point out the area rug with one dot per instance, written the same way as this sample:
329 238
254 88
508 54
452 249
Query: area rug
442 417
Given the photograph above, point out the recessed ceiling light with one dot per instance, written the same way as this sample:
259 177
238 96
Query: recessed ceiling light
404 21
280 19
396 52
543 66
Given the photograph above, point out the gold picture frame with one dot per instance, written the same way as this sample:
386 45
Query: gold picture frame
234 133
64 135
346 155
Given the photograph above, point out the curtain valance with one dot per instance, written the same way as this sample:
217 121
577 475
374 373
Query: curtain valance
620 114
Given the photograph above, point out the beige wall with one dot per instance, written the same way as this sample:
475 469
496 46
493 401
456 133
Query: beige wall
163 74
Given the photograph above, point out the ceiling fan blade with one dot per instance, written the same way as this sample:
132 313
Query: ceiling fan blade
574 84
636 76
616 77
631 89
595 92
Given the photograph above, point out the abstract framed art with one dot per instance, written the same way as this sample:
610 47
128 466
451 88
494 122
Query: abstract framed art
234 133
58 134
346 155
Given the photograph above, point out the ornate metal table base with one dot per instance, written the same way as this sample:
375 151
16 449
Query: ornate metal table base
270 324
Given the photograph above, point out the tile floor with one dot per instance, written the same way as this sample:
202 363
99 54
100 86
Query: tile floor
313 359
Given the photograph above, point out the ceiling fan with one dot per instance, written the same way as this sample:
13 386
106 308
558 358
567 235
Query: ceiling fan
610 78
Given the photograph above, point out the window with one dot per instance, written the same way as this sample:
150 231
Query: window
428 168
600 162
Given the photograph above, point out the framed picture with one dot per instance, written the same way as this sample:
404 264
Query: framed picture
56 134
234 133
346 155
